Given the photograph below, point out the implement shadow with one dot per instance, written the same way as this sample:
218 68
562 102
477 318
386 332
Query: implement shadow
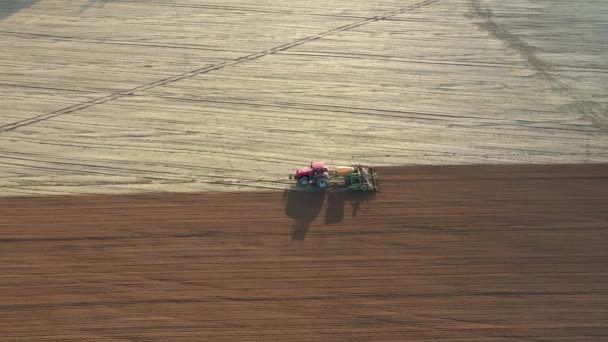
336 202
303 206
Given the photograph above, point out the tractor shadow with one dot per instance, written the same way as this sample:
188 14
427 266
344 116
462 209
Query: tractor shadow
304 206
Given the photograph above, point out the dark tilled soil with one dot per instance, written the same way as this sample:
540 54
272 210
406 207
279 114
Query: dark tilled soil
467 253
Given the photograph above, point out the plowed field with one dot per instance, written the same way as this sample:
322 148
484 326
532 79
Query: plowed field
467 253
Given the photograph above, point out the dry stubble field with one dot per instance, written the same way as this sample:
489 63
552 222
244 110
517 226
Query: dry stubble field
122 96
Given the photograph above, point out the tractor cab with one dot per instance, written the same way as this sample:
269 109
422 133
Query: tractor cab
318 168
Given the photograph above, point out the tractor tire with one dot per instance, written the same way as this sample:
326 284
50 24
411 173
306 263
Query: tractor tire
322 183
304 181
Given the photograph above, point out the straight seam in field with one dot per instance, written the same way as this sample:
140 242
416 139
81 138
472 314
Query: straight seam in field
172 79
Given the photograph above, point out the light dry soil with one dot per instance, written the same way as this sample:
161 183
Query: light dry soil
461 253
121 96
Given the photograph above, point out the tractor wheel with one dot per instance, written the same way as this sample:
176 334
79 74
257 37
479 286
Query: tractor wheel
322 183
303 181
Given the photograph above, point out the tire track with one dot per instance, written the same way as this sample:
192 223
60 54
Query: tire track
109 41
240 9
596 112
207 69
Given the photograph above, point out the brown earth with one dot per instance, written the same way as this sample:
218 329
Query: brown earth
467 253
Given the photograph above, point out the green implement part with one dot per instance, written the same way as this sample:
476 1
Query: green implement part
363 179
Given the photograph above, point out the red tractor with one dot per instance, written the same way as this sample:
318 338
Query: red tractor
317 174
